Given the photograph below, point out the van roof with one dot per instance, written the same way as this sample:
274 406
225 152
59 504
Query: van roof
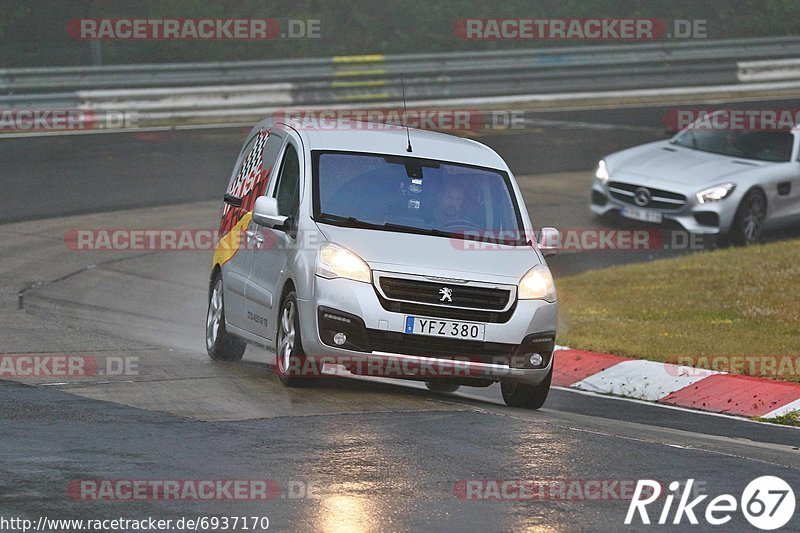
368 137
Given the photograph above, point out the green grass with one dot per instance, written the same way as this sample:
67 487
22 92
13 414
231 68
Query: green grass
723 303
792 418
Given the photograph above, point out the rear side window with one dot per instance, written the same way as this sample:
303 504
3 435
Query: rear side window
250 180
251 170
271 152
288 191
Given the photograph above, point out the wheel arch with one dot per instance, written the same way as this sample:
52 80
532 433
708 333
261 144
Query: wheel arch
214 271
732 237
757 187
288 285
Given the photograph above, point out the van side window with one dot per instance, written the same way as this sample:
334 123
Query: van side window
236 185
247 183
288 189
271 152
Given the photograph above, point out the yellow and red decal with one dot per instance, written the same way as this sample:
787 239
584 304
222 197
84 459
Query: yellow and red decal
249 184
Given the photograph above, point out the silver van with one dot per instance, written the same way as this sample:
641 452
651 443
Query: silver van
382 251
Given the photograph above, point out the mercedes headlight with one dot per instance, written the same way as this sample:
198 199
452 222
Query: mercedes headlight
537 284
334 261
601 172
713 194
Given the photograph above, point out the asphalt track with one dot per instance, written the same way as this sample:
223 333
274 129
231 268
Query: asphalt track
383 455
44 177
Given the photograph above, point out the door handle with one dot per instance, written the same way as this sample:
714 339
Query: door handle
253 235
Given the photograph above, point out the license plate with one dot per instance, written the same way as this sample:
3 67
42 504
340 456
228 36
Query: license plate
641 214
445 328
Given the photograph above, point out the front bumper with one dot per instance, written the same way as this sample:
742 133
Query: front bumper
531 320
712 218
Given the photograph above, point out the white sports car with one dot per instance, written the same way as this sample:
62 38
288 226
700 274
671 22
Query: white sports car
729 183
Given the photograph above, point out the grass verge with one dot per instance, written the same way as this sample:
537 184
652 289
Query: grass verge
736 310
792 418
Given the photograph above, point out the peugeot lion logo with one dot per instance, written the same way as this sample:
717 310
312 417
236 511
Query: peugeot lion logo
641 197
447 294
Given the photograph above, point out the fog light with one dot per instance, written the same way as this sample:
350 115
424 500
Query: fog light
536 359
340 338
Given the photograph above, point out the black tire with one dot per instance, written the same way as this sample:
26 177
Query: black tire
220 345
748 223
289 355
442 386
525 395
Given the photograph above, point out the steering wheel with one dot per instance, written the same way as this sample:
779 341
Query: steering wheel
461 223
742 148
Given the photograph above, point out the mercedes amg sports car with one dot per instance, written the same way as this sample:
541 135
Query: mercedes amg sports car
725 182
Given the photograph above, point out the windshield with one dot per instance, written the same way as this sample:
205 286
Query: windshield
775 146
413 195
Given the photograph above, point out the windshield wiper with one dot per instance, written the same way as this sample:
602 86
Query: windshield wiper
350 221
414 229
356 223
463 236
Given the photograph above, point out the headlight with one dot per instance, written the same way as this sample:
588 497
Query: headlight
334 261
718 192
601 172
537 284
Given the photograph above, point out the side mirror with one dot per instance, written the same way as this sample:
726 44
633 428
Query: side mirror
549 241
265 213
232 200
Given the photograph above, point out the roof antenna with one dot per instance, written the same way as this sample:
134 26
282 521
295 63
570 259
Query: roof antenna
403 88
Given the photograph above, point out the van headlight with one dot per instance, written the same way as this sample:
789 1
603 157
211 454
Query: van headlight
601 172
537 284
713 194
334 261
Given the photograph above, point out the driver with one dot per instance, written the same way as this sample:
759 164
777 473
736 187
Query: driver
450 202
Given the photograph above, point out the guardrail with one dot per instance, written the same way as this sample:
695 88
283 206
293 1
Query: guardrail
213 88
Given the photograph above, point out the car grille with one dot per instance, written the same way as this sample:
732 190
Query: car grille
454 313
427 293
659 199
441 348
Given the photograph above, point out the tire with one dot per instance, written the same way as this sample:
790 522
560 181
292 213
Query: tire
442 386
220 345
289 355
525 395
748 223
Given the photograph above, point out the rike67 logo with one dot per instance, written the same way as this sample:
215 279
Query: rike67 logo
767 502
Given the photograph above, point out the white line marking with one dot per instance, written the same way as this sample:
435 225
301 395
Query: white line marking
789 407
